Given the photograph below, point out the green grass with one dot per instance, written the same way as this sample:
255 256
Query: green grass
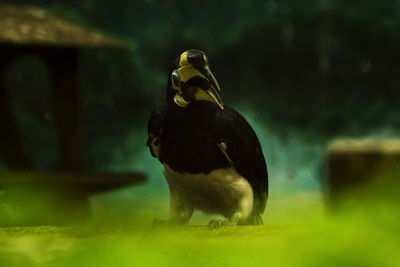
298 231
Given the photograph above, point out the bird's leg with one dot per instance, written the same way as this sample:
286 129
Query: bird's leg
241 212
235 219
181 211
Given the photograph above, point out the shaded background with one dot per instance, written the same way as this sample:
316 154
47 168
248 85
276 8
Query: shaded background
302 72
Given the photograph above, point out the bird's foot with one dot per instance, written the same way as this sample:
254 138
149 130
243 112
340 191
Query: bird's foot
213 224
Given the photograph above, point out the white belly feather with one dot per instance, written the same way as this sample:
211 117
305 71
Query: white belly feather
222 191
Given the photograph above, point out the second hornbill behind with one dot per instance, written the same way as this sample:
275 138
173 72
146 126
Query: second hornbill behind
212 158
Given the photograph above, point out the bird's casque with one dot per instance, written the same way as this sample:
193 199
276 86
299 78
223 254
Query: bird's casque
192 80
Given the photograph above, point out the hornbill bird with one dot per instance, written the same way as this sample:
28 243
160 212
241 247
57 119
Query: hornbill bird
212 158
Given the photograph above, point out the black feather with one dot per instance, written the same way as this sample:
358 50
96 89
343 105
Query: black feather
244 149
156 127
189 143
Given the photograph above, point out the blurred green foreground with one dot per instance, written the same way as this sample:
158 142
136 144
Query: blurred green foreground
299 231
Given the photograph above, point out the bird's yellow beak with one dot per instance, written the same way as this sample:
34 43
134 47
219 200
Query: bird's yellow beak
189 72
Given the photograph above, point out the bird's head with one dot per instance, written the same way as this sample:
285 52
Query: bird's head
191 80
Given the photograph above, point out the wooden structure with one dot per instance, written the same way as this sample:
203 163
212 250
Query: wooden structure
353 164
50 198
31 30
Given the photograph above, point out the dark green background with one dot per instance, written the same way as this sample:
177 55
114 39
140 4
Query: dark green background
302 72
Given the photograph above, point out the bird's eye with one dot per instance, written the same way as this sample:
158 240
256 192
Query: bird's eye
176 82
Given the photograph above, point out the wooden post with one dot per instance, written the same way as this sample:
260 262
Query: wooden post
54 198
354 164
63 67
11 145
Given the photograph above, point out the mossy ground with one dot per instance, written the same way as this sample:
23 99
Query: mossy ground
294 234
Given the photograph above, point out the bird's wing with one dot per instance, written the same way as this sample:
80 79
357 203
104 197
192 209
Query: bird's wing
156 130
238 141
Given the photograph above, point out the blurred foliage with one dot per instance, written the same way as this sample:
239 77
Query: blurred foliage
298 233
